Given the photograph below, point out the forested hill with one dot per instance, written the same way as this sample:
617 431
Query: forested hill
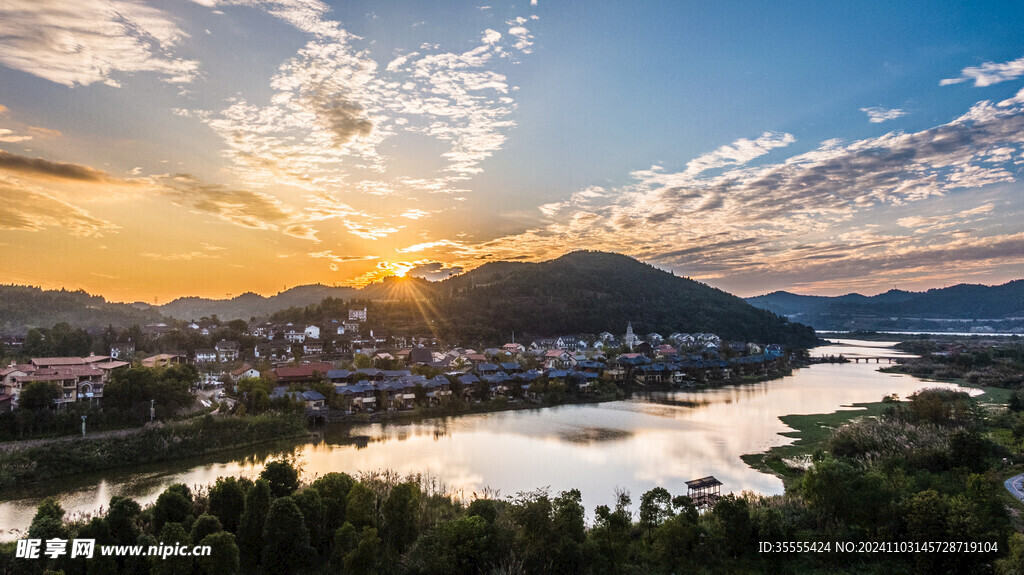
23 307
964 301
591 292
249 305
578 293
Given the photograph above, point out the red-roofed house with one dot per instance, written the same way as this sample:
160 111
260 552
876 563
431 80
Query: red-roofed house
302 373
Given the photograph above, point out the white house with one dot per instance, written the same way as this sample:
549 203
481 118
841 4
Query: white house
312 332
357 314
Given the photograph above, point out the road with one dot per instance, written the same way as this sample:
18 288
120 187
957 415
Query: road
1015 485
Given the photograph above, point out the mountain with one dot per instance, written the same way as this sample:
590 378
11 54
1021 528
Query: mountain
591 292
580 292
250 305
24 307
961 305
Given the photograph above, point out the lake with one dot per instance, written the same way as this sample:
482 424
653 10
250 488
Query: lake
660 439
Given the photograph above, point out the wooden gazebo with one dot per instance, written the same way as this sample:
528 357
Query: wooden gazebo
704 491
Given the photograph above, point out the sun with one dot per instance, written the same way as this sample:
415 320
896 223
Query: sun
400 269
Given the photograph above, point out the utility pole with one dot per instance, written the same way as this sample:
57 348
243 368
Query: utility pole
152 410
83 425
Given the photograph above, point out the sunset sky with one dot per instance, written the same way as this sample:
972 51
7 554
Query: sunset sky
150 150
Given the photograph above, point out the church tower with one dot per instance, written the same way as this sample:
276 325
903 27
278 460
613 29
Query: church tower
631 338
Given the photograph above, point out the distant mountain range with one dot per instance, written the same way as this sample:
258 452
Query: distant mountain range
22 307
964 305
580 292
249 305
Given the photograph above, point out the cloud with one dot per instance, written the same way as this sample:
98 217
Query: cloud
457 246
26 209
40 132
360 224
739 152
181 256
877 114
336 260
524 40
333 107
10 137
89 41
433 271
414 214
40 168
988 73
246 208
745 221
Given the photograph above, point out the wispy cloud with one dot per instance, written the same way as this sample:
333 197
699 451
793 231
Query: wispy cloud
38 167
246 208
988 73
336 260
10 137
23 208
877 114
89 41
333 107
181 256
739 152
746 221
457 246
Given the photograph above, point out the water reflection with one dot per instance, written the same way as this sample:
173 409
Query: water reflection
662 439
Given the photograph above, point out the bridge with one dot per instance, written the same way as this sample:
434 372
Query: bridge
858 359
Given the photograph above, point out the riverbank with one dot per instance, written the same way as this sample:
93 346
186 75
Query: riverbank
788 462
155 443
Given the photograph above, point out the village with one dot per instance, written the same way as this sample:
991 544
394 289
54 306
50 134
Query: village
344 366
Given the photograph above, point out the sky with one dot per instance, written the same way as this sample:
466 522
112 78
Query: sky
162 148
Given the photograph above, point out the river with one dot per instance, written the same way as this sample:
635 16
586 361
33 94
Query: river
662 439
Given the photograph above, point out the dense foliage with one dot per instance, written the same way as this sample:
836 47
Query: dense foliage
923 472
976 361
159 442
23 307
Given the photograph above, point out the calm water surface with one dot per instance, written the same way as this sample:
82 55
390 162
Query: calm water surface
663 439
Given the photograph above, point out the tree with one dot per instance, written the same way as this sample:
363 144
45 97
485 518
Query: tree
400 514
172 534
251 525
205 525
568 527
286 546
281 476
171 507
39 395
363 559
361 506
463 545
333 489
313 512
223 557
227 502
733 516
123 517
655 508
48 522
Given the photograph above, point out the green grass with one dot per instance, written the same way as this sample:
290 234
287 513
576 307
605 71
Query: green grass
811 433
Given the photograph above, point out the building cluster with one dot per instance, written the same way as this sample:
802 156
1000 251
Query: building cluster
518 370
79 378
299 355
